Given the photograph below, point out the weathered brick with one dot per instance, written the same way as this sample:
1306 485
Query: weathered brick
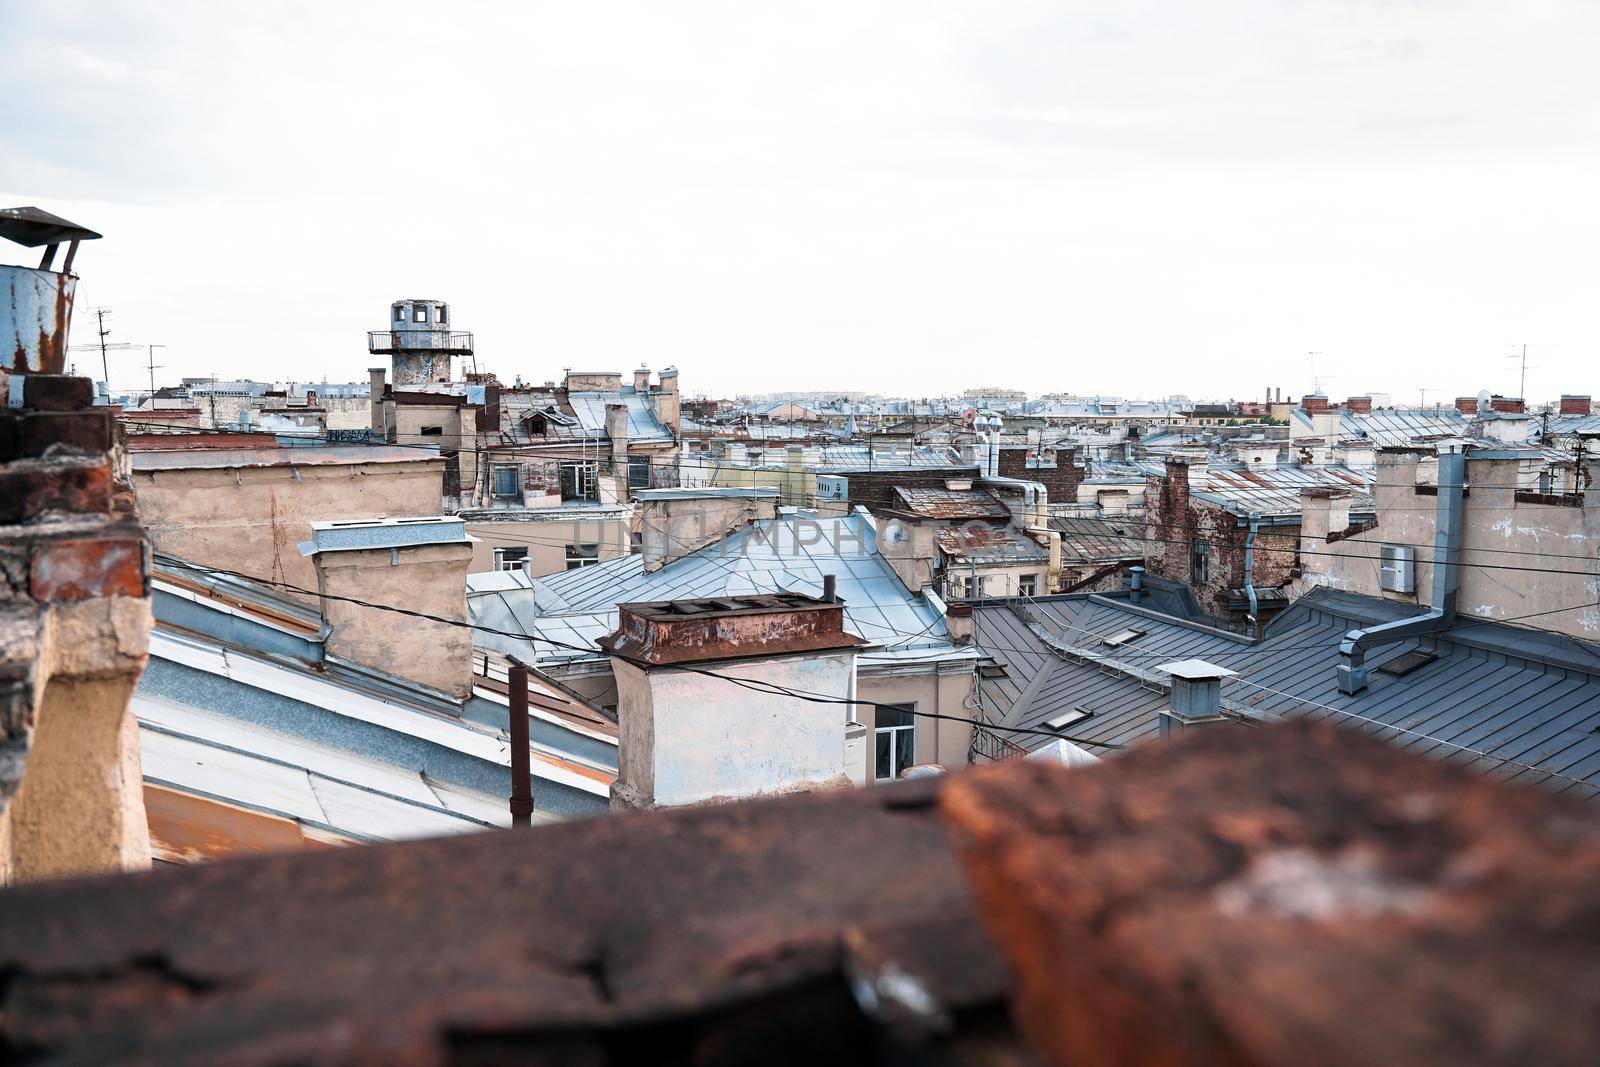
1296 894
87 569
57 392
30 488
81 431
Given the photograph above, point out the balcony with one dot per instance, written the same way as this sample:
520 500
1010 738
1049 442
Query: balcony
390 341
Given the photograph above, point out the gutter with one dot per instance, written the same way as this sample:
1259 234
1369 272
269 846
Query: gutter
1352 669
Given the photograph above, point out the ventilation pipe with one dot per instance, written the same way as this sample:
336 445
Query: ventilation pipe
1135 584
1196 695
517 728
1352 669
1249 566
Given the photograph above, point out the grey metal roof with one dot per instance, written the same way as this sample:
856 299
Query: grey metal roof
1522 698
1093 539
350 535
1274 490
590 408
1401 426
291 456
788 554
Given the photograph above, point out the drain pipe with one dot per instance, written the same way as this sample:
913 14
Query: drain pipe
1249 569
1352 669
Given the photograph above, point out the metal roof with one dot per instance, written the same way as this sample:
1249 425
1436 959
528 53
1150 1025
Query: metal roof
1274 490
983 543
785 555
32 227
352 535
952 503
1093 539
1525 696
1401 426
590 409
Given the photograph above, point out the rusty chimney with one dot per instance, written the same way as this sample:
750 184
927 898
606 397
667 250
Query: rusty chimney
517 730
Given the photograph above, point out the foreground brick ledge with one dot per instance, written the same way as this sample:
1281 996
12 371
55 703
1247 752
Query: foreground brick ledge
1295 895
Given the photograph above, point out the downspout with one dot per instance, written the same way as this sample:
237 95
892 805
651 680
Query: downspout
1352 669
1249 569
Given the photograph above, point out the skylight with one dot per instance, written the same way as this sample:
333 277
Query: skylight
1121 637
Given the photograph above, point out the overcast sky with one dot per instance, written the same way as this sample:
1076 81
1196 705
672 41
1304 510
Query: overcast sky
1124 197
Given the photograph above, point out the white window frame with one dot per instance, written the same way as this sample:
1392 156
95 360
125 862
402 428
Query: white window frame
1031 581
896 735
582 555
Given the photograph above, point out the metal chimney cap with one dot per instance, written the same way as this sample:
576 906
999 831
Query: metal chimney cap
1195 670
32 227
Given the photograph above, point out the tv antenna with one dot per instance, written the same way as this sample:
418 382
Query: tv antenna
152 364
101 314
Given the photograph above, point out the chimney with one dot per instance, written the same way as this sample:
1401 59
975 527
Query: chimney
666 401
380 421
1507 405
617 434
1196 695
1359 405
1574 404
1323 511
37 313
695 736
1135 584
1467 405
641 381
418 562
794 476
1314 404
676 522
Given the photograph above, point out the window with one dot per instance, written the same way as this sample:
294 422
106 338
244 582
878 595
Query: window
638 474
1121 637
582 556
419 313
399 313
1067 718
433 431
578 481
1200 562
896 739
507 480
444 315
510 559
1028 585
635 541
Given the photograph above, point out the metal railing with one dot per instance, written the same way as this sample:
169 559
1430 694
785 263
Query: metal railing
991 746
418 341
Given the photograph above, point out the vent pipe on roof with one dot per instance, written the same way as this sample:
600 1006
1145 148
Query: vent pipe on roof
829 589
1352 669
517 728
1196 695
1135 584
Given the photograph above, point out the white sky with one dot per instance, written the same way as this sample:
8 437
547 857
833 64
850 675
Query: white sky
1129 197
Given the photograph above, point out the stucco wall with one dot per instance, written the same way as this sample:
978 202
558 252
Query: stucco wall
547 539
431 579
686 738
250 519
1523 557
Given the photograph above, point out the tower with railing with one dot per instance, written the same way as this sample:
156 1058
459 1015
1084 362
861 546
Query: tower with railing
419 342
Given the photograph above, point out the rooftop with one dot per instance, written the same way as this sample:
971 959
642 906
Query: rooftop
958 504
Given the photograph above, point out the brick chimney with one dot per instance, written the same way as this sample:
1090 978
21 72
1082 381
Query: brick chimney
379 423
1467 405
417 563
74 603
1313 404
676 522
1508 405
641 381
689 737
1575 404
617 435
1359 405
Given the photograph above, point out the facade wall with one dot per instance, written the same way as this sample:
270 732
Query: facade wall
250 519
939 741
1524 558
546 540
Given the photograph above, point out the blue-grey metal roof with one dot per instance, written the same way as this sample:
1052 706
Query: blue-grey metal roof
788 554
1516 702
590 408
353 535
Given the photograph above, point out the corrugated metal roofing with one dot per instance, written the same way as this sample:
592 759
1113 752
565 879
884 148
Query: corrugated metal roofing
951 503
1514 694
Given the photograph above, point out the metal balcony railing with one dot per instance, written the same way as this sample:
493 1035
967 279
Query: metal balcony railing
418 341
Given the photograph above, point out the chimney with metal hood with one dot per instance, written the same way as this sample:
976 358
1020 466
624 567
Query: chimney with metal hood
1196 695
1352 668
